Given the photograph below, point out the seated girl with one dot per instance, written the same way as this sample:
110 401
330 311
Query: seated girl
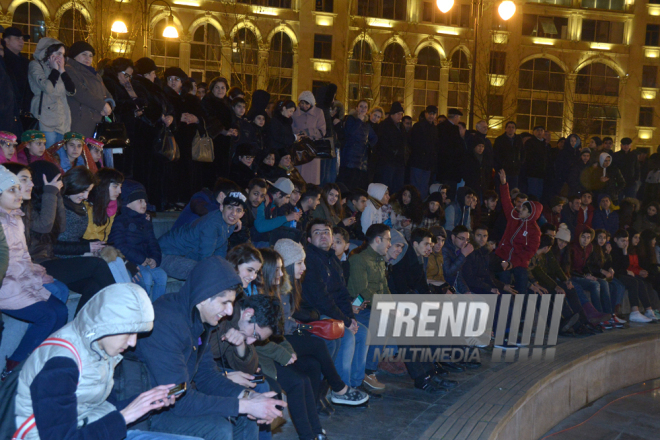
33 148
72 151
406 210
7 147
331 208
96 151
434 214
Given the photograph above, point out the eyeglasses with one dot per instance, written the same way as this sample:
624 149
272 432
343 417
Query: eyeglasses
127 75
256 335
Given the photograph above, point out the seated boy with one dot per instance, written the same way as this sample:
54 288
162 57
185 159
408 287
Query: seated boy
340 244
205 201
276 208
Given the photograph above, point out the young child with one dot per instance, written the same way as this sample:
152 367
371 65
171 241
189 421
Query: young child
72 151
8 147
27 292
33 148
133 234
96 151
340 244
242 169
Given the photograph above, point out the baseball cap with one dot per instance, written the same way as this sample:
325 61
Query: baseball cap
13 31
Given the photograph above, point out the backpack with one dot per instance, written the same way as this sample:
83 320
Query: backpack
8 391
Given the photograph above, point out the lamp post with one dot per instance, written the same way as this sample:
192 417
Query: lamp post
506 10
170 31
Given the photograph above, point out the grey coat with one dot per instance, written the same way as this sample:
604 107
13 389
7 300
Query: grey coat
90 98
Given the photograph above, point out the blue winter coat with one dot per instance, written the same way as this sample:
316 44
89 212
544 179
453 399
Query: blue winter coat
358 137
452 266
172 351
201 203
604 220
204 237
134 236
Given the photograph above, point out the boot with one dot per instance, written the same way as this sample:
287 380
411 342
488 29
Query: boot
594 316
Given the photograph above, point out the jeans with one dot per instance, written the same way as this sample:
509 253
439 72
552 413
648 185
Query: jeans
371 364
420 180
108 158
300 397
59 290
535 187
599 293
119 271
177 267
52 137
617 292
208 427
135 434
46 317
154 281
85 275
391 176
350 355
520 279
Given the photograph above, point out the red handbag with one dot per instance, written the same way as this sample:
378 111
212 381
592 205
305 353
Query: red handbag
329 329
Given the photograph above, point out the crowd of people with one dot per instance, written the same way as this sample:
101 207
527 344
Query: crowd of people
267 248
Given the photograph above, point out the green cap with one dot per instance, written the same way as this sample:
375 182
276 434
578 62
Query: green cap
32 135
73 135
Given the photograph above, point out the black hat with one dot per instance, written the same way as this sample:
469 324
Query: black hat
131 191
79 47
454 112
14 32
246 150
396 108
145 65
626 141
175 71
431 109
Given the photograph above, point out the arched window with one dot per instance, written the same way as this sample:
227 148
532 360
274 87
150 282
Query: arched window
280 67
459 82
205 53
245 60
541 95
427 80
73 27
165 51
596 108
360 72
393 75
30 20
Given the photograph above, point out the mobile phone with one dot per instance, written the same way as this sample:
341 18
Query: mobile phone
177 390
358 301
258 378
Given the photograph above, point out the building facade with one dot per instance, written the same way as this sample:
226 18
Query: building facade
583 66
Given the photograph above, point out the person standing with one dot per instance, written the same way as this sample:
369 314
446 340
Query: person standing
451 152
9 105
310 121
626 161
17 66
390 150
507 154
424 150
535 162
358 138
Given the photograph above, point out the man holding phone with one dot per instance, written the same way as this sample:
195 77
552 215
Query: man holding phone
218 407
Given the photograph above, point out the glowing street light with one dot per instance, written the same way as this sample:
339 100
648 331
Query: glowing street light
506 9
170 31
119 27
445 5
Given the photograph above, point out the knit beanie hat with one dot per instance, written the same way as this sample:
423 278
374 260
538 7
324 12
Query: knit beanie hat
563 233
308 97
144 66
79 47
290 251
7 179
132 191
377 190
434 197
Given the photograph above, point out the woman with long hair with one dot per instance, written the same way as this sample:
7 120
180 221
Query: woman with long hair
406 210
330 208
217 107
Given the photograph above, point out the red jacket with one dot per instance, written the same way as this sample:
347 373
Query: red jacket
581 222
634 264
521 238
579 257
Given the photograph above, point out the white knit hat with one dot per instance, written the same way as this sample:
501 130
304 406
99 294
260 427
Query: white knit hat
307 96
7 179
563 233
290 251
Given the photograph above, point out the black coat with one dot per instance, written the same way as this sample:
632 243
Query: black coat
17 68
157 103
280 133
424 146
125 105
391 147
535 158
628 164
507 155
409 276
477 173
241 173
451 153
567 160
9 104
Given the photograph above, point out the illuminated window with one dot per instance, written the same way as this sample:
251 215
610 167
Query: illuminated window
459 82
392 9
280 67
206 52
30 20
73 27
165 51
360 72
245 60
393 74
541 95
427 80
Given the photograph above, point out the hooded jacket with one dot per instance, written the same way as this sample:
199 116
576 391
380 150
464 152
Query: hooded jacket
457 213
134 236
373 215
68 388
312 122
55 114
615 183
172 351
200 239
200 204
358 138
90 98
522 237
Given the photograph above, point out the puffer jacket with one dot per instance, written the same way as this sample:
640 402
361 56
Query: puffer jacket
134 236
368 274
90 98
608 220
358 138
24 282
83 373
522 237
55 114
94 231
200 239
311 122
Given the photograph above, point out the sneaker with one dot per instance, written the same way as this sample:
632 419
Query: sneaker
613 322
638 317
371 381
606 325
351 397
619 320
657 313
649 314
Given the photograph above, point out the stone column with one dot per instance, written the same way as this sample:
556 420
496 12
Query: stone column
409 90
262 67
444 87
225 63
295 79
569 113
377 60
184 51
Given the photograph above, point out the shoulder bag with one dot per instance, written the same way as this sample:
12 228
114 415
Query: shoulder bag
202 147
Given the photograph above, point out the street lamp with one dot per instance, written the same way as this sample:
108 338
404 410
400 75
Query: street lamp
506 10
170 31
